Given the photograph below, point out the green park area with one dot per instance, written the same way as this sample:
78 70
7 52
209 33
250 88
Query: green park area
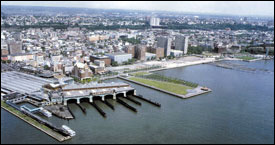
167 86
139 73
247 58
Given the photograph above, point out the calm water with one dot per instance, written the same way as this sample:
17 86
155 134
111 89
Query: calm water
239 110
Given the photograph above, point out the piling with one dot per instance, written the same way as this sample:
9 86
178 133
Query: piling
108 104
71 112
147 100
126 105
101 112
82 108
134 101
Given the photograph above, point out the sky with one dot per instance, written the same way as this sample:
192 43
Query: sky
251 8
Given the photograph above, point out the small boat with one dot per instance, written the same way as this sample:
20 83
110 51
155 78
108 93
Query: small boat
204 89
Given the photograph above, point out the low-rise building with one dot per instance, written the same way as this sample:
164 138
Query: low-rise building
97 69
106 59
120 57
22 57
176 53
82 71
150 56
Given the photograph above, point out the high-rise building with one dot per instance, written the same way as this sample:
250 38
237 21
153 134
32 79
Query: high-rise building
159 51
181 43
154 21
15 47
165 42
130 49
140 51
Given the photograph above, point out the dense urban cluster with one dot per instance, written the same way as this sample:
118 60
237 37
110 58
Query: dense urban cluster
82 45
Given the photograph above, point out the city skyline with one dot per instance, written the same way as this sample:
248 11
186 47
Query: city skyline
249 8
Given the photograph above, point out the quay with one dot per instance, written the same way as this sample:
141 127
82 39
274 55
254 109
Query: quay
47 131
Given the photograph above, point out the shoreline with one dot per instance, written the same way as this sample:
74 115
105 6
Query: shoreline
186 64
51 134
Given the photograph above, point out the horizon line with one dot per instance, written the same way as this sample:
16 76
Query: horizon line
204 13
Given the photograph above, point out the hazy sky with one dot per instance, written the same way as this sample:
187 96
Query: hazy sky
261 8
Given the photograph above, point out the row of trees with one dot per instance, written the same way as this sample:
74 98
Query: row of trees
169 79
143 69
198 49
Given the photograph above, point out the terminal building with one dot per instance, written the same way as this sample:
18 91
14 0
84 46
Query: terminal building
40 92
61 94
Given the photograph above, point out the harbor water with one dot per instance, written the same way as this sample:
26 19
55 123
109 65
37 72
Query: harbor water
240 109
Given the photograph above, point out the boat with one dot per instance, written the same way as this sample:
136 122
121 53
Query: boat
69 130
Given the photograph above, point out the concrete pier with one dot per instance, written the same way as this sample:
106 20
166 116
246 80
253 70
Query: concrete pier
82 108
126 105
147 100
101 112
108 104
134 101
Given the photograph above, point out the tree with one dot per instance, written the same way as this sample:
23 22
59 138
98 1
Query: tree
46 67
114 63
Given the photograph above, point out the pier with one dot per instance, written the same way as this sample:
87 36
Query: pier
101 112
147 100
49 129
82 108
69 109
126 105
132 100
108 104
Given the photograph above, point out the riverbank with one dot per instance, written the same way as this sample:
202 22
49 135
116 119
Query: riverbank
34 123
165 64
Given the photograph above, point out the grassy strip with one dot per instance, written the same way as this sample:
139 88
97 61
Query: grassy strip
170 87
247 57
162 78
139 73
27 118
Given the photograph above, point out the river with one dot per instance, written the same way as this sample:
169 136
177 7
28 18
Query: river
239 110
